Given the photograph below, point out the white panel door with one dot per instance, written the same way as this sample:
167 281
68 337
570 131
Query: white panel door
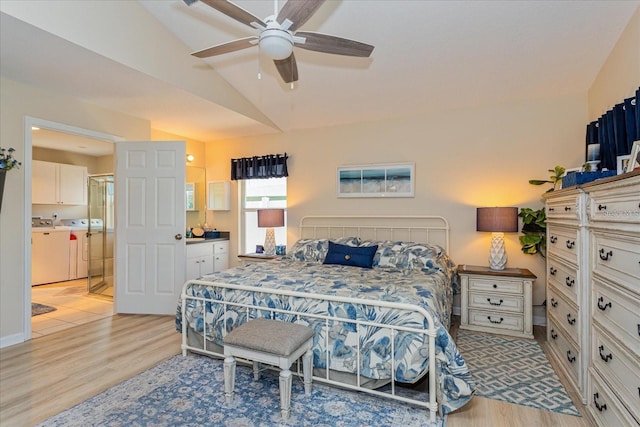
150 221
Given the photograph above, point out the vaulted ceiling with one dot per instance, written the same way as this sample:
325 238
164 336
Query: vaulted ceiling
134 57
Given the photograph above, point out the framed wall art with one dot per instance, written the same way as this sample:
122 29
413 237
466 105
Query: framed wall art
382 180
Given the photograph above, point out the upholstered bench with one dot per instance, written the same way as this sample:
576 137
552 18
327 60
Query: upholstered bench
274 343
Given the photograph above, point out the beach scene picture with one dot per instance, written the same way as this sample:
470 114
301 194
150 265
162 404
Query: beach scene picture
376 181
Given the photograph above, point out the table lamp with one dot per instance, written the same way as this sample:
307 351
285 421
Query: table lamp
269 218
498 221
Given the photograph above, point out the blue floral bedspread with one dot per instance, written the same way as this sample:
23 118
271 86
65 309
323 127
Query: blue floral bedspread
431 289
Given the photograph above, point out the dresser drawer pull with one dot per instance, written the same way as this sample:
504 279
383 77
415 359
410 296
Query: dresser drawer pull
567 208
554 334
570 244
553 239
602 207
554 303
570 358
602 306
553 271
600 408
570 320
639 329
495 286
552 209
494 303
497 322
605 255
602 356
569 281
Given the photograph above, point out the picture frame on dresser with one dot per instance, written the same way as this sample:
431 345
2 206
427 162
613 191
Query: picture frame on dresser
634 157
623 163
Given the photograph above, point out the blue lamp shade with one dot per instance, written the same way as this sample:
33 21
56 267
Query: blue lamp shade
498 221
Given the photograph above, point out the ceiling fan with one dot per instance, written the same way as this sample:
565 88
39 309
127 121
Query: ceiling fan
278 34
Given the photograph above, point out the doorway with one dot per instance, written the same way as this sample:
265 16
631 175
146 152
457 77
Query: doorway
70 131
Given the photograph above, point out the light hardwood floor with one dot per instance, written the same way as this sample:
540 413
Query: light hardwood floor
44 376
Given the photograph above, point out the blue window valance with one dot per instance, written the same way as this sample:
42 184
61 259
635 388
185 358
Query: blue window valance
260 167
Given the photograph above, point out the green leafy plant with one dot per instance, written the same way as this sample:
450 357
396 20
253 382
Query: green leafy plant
534 230
555 178
7 161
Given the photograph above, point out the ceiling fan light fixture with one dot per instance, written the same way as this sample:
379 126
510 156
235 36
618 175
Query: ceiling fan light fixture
276 43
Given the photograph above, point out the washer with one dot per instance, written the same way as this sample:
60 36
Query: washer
49 252
79 228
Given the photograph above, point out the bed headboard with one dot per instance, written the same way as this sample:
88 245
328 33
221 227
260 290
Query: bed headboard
422 229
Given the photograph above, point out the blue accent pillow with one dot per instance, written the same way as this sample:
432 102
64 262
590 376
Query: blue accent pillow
361 256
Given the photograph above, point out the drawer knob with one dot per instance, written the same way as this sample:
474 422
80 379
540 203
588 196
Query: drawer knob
553 271
570 244
553 239
551 209
570 320
494 303
602 207
495 286
554 334
569 281
554 303
600 407
605 255
602 356
495 321
567 208
570 358
602 306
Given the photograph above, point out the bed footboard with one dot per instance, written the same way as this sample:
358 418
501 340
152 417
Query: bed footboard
292 311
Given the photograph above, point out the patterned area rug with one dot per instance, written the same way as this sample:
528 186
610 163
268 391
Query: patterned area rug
515 371
37 309
189 391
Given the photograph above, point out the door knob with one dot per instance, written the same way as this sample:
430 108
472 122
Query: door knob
178 236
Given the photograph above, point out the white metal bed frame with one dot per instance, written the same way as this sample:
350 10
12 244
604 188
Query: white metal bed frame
436 230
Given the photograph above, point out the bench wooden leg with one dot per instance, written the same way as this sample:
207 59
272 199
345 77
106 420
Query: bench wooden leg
285 393
229 378
306 370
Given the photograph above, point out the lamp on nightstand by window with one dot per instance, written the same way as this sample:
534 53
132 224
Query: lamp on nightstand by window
269 218
498 221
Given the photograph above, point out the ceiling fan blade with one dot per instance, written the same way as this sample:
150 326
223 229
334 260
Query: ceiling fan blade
298 12
226 47
234 11
287 68
332 44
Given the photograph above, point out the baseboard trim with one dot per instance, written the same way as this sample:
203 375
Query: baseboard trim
11 340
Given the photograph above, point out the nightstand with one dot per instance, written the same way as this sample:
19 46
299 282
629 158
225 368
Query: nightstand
254 257
495 301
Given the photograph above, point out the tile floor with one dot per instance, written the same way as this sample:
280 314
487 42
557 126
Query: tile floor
74 306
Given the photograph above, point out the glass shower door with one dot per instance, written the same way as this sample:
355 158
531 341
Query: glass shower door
100 235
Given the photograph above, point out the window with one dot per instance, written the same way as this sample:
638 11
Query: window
259 194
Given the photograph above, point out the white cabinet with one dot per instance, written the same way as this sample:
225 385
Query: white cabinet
221 255
199 259
218 195
58 183
206 257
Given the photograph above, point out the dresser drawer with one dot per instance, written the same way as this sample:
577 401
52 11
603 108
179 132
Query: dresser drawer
563 242
617 257
496 302
564 279
566 315
618 313
620 205
497 285
496 320
620 368
564 207
604 406
565 351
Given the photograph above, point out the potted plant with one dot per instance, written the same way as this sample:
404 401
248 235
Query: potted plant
534 231
7 162
555 178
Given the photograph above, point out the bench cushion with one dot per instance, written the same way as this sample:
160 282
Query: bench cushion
269 336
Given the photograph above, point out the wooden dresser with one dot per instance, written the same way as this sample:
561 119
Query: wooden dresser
593 294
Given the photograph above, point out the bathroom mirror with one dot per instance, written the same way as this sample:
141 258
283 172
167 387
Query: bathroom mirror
195 191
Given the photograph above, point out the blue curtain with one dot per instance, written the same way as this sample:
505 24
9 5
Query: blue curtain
260 167
616 131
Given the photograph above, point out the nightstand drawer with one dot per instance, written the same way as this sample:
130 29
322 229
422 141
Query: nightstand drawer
496 320
496 302
563 242
617 258
495 285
